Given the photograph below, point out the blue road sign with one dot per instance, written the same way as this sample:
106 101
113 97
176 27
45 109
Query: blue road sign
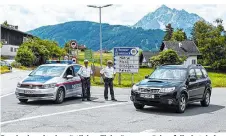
126 51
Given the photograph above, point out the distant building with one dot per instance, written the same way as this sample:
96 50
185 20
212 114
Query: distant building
11 39
146 57
184 48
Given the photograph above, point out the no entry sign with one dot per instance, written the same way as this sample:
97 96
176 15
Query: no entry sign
73 44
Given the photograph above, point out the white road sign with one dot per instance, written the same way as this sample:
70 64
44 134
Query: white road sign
126 59
73 44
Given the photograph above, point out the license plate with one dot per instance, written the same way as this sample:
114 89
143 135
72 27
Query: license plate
147 96
28 92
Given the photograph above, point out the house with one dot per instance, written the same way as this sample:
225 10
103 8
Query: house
11 39
183 48
146 57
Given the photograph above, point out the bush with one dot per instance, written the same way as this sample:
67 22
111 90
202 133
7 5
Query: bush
16 64
4 69
23 68
25 56
167 57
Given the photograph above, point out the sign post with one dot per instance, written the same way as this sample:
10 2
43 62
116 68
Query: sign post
126 60
89 55
73 45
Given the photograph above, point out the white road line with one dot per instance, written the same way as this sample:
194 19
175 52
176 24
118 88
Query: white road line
59 113
148 131
6 95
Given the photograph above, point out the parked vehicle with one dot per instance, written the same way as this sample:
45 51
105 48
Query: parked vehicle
5 63
173 85
54 81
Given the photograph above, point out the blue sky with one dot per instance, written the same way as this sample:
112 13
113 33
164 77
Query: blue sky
29 17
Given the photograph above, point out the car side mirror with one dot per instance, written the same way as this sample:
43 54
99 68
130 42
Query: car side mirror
69 76
192 79
146 77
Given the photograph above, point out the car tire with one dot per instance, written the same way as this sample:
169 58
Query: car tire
138 106
23 100
60 96
10 69
206 100
181 104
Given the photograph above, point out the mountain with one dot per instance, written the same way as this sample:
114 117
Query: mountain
164 15
87 33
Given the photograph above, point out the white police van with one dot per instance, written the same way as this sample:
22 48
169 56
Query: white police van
55 81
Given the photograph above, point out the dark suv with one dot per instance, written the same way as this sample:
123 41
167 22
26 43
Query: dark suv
173 85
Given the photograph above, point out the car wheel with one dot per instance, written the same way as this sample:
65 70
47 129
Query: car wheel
206 101
182 104
60 96
138 106
23 100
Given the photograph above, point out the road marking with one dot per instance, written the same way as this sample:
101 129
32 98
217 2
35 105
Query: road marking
148 131
6 95
59 113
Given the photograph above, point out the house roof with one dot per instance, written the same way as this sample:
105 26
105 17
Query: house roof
148 54
12 29
187 48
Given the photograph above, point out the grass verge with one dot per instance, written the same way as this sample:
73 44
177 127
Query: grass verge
218 79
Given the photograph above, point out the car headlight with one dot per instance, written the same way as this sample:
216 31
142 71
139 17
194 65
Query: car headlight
167 90
46 86
135 88
18 84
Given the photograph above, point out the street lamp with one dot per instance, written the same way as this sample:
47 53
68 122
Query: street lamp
100 7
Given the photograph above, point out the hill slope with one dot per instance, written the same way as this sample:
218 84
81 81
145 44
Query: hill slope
87 33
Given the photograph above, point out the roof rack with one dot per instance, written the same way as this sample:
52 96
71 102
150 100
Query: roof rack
59 62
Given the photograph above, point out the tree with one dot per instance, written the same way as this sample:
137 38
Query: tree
179 35
141 57
166 57
25 56
211 41
5 23
42 50
169 32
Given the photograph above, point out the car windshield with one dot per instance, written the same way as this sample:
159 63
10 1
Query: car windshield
168 74
55 71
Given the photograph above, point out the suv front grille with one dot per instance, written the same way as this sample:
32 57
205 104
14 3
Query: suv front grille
31 86
149 90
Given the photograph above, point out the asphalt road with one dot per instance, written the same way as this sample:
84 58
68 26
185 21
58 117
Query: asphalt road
105 116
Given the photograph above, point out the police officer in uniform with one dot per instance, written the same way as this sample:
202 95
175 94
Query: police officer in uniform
108 74
85 72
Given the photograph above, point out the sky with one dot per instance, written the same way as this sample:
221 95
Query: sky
29 17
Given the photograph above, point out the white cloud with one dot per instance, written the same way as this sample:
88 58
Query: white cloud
29 17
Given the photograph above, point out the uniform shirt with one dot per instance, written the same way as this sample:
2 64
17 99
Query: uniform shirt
85 72
108 72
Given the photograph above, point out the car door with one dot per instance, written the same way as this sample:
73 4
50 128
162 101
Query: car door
192 86
69 83
78 87
201 82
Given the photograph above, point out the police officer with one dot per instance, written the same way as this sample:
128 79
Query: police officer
85 72
108 74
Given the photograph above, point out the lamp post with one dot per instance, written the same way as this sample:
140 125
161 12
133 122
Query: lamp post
100 7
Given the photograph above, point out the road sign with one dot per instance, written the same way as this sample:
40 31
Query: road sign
89 55
73 44
126 59
74 60
65 57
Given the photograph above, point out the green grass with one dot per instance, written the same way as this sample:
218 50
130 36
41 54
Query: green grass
218 79
126 78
